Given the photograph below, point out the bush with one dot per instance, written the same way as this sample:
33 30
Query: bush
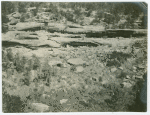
36 62
24 16
89 13
4 19
97 89
69 16
10 54
4 28
22 7
22 19
35 11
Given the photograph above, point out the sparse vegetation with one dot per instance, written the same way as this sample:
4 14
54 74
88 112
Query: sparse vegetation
108 13
94 90
106 75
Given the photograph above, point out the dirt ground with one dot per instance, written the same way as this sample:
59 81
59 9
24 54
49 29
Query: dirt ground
75 77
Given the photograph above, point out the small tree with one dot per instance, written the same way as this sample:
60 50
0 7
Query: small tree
22 7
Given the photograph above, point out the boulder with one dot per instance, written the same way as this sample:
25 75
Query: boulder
113 69
11 18
101 64
86 87
76 61
139 77
63 101
89 57
121 68
63 77
13 22
127 85
55 63
79 69
64 65
39 107
44 98
128 77
16 15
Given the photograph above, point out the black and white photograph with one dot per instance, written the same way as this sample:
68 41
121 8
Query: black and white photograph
74 56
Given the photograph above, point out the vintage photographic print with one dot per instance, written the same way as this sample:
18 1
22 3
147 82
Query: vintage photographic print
74 56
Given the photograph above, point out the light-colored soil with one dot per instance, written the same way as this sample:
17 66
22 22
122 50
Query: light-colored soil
104 83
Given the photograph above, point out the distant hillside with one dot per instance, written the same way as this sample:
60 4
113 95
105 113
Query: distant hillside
110 15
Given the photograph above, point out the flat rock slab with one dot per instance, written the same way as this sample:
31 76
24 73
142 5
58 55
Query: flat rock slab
79 69
80 42
13 22
73 25
30 43
63 101
28 26
39 107
31 37
64 39
76 61
76 30
25 33
39 53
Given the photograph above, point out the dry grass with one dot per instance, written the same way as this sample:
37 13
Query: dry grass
95 89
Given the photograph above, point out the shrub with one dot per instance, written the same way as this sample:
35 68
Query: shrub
22 7
4 27
89 13
24 16
36 62
35 12
10 54
22 19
